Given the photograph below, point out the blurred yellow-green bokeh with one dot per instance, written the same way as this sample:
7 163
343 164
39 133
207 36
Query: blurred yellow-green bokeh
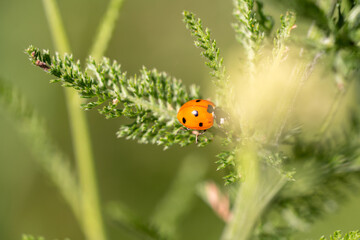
148 33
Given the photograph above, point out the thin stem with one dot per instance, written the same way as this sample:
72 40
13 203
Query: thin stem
248 211
305 76
332 8
92 221
106 28
339 96
331 114
58 33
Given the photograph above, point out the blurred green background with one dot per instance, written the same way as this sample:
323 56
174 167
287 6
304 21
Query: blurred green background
149 33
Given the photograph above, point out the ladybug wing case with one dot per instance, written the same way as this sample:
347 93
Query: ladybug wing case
195 117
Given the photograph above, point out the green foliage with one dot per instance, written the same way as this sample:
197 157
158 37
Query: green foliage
310 10
204 41
282 35
268 156
150 99
266 22
247 28
323 178
331 166
212 53
278 161
250 28
227 160
326 166
29 237
269 204
353 235
341 41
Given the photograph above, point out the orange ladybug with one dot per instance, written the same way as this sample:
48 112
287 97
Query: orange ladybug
197 114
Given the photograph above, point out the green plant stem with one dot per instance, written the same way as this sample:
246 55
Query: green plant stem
339 96
260 186
105 30
331 114
92 221
248 210
58 33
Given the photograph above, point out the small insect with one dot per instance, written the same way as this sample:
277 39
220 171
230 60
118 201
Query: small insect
197 114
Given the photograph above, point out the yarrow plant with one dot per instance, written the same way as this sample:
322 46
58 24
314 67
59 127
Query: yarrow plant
281 176
151 98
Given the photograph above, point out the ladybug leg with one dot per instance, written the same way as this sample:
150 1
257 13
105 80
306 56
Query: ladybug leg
197 134
181 128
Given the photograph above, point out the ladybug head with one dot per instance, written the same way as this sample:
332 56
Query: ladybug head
221 117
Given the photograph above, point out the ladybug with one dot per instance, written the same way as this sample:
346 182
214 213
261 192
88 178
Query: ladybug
197 114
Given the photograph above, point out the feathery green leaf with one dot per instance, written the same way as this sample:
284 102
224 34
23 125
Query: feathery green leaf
150 99
212 53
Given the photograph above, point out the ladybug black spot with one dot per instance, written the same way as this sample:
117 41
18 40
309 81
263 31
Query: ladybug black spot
184 120
198 100
200 124
210 109
195 113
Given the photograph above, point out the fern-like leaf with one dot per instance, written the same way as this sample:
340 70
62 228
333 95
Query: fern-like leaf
212 53
150 99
